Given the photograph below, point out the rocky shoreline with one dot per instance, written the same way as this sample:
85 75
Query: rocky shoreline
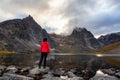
59 67
13 72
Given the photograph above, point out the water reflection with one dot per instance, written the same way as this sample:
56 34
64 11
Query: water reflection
61 59
99 55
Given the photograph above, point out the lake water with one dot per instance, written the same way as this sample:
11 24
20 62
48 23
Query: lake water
59 59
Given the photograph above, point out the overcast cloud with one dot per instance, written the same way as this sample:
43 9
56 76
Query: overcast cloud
61 16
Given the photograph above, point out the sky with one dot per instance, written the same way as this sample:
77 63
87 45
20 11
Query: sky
62 16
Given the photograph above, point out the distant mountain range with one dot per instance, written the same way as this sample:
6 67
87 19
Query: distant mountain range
110 38
24 35
82 40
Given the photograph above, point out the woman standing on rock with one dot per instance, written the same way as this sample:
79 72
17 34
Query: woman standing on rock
45 50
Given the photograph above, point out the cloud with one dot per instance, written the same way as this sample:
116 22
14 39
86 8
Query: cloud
62 16
97 16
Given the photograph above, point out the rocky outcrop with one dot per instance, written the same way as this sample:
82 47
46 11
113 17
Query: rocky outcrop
110 38
22 35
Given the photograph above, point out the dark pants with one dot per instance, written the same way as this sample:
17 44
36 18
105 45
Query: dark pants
43 56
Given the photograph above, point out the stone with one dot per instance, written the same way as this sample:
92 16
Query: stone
52 78
2 67
71 74
58 72
16 77
48 75
110 71
101 76
117 74
4 78
89 74
75 78
64 77
12 69
31 75
73 70
36 70
104 78
25 69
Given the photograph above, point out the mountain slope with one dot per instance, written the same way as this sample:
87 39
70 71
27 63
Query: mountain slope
113 48
21 35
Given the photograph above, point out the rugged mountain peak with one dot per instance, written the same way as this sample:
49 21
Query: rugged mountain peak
81 33
77 29
80 40
28 17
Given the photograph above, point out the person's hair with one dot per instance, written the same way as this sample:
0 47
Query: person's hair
45 39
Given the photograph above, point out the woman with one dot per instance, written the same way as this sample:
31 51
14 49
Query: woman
45 50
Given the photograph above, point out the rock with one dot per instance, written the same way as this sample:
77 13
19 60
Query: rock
1 72
2 67
117 70
70 74
48 75
110 71
73 70
44 70
58 72
89 74
75 78
25 69
32 76
104 78
4 78
52 78
78 72
117 74
64 77
12 69
16 77
36 70
101 76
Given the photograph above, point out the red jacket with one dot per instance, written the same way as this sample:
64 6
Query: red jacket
45 47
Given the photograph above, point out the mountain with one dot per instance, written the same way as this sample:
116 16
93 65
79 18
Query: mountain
22 35
80 40
86 38
110 38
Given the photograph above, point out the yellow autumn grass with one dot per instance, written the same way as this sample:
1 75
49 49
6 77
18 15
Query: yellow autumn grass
7 52
108 48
